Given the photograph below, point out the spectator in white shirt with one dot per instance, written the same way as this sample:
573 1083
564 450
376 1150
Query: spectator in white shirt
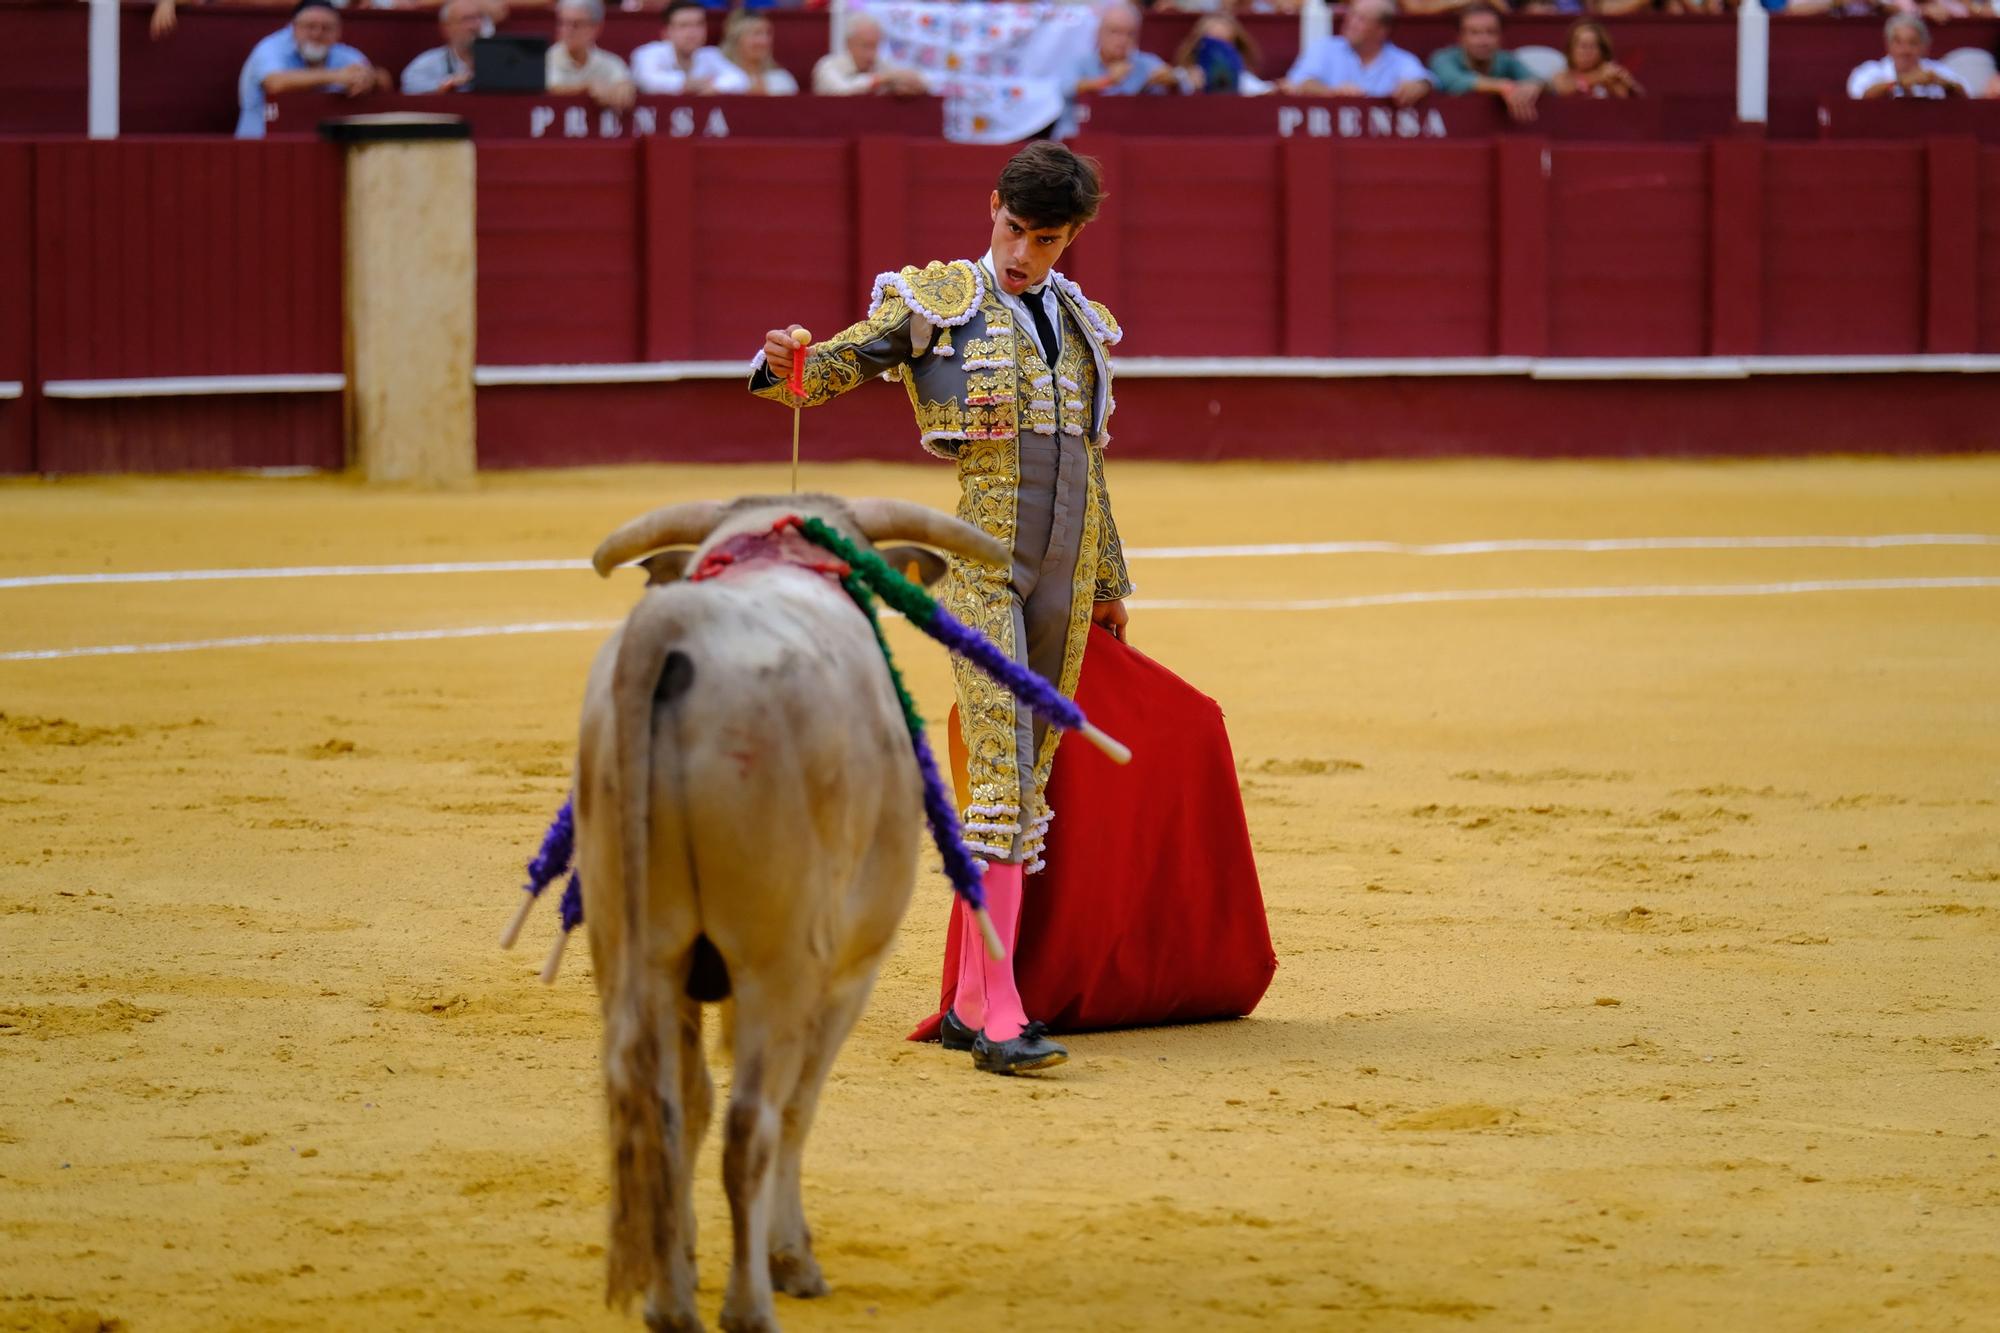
682 61
447 68
747 43
859 68
1904 72
577 64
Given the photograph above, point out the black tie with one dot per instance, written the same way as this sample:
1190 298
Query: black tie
1050 348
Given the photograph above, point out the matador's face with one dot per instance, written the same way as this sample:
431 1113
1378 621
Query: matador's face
1023 253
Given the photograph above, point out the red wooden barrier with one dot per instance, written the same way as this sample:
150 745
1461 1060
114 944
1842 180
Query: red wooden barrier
1200 247
532 116
1413 249
1205 419
273 430
1436 117
45 89
1629 247
560 276
1951 171
1987 319
214 258
17 305
186 258
1844 249
1909 118
774 236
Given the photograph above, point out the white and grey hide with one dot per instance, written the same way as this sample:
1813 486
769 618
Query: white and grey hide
748 816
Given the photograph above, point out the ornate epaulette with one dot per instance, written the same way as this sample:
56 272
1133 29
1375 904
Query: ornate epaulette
1101 323
942 295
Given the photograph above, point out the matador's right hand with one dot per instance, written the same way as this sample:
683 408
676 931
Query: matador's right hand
779 347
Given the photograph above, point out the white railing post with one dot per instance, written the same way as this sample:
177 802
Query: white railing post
1315 21
103 122
836 28
1753 63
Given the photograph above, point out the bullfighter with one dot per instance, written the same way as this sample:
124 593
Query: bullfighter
1007 366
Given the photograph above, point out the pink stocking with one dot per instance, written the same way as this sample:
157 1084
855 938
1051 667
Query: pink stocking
1002 1015
970 1001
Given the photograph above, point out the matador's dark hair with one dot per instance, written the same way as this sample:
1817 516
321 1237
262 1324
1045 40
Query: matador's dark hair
1046 185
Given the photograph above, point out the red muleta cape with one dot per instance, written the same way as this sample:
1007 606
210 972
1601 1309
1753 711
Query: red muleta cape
1149 909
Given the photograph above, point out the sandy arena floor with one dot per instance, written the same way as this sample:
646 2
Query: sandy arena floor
1637 956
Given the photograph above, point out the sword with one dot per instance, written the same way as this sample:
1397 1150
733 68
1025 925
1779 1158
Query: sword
797 384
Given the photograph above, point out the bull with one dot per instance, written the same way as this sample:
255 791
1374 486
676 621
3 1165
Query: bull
747 819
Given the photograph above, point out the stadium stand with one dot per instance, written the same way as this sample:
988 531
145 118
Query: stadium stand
1612 249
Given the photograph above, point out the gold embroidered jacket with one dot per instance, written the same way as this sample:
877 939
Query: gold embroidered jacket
976 389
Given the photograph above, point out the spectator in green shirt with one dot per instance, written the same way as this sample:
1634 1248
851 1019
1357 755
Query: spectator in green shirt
1478 65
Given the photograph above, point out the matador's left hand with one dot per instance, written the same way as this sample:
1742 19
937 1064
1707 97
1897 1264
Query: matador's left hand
1113 616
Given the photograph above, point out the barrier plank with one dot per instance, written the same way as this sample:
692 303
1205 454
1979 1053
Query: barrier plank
1629 247
1736 247
1201 248
1844 248
1522 169
1988 251
774 241
187 258
1414 249
559 271
17 306
1951 257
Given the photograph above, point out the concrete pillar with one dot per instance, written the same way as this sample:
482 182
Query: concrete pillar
410 284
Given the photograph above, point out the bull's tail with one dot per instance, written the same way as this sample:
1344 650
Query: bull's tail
648 670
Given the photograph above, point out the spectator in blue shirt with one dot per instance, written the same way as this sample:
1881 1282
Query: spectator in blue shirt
1115 66
1360 62
448 68
307 54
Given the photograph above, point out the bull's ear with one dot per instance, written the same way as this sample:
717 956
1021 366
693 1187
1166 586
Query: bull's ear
919 564
666 567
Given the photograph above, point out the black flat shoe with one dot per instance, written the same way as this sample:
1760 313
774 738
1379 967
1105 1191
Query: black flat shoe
955 1035
1025 1054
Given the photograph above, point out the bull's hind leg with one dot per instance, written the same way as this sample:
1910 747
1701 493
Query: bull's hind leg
670 1300
671 1293
768 1051
794 1269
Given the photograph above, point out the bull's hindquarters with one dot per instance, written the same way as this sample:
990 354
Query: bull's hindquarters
742 749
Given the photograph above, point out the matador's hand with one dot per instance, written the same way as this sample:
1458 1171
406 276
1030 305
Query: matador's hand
1113 616
779 347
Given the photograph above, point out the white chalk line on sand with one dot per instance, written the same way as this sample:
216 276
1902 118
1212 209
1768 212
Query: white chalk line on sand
1502 546
1138 604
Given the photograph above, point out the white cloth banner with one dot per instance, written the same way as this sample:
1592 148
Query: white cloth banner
1001 69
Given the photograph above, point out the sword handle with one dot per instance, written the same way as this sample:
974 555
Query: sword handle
801 339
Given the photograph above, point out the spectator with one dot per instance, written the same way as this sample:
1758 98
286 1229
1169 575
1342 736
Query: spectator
1219 57
448 68
1904 72
577 64
307 54
747 44
682 61
1589 68
1114 66
1361 62
859 68
1478 64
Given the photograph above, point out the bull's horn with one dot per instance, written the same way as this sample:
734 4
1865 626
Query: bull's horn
676 525
907 521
